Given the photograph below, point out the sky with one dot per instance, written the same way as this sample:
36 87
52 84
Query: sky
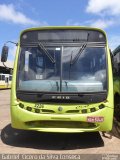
17 15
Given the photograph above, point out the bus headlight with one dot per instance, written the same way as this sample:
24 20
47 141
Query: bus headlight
92 109
84 110
21 105
101 106
29 108
37 110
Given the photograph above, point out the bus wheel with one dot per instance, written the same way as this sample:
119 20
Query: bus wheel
117 128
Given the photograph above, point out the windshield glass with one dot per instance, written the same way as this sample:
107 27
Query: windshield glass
73 71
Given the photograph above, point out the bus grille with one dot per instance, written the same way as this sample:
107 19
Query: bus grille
60 124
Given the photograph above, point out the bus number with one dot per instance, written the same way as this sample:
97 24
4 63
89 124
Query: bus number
39 106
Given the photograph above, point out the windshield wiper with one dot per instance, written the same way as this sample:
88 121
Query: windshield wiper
76 57
46 52
78 54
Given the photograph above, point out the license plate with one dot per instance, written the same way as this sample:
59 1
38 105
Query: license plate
95 119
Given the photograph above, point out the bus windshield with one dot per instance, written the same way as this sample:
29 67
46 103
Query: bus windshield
74 69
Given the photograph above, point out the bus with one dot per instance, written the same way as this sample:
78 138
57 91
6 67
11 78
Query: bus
5 81
62 80
116 75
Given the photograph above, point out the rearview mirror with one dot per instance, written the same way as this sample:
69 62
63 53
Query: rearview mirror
4 54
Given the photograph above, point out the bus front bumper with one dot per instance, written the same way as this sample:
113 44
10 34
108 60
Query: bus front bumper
64 123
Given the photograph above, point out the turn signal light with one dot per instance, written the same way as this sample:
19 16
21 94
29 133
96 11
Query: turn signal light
29 108
84 110
92 109
37 110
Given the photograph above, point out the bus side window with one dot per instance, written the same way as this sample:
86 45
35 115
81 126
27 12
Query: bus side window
119 68
10 78
116 68
112 60
3 77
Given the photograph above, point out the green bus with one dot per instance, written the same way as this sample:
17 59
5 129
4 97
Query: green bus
116 75
62 80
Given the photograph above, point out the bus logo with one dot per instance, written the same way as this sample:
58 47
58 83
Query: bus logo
60 108
39 106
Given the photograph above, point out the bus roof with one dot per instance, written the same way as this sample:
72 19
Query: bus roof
63 27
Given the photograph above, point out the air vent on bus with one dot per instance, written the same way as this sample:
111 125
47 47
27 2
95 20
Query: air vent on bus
60 124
